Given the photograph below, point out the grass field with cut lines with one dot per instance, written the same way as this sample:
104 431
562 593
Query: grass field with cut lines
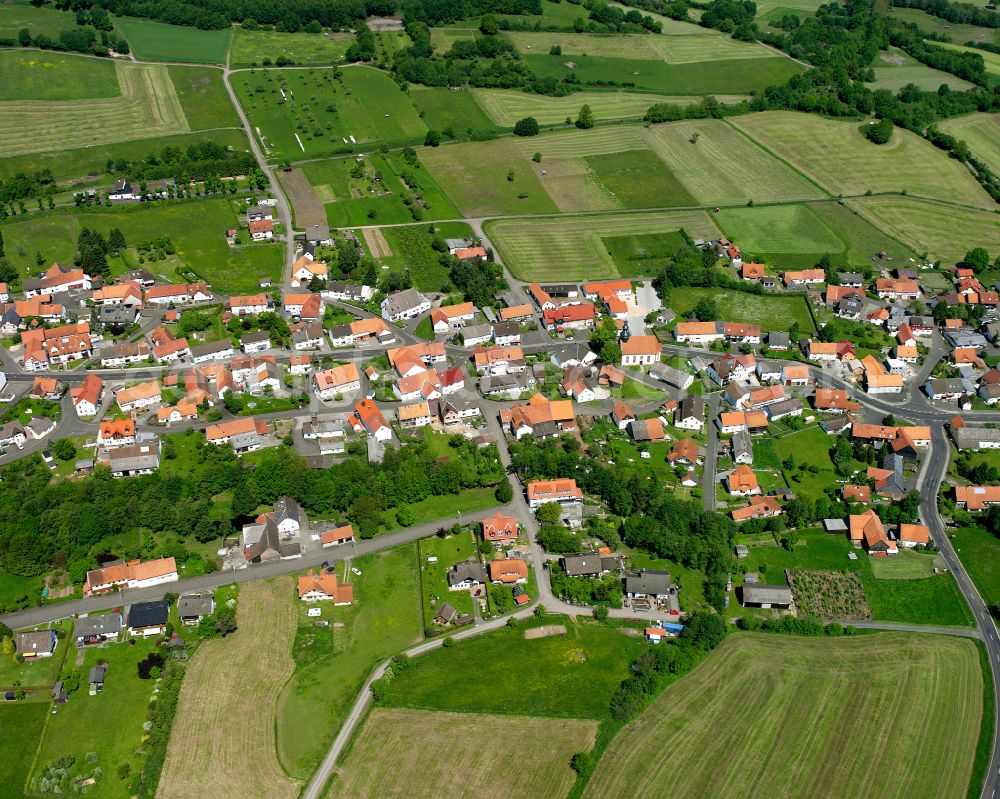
723 166
222 741
672 49
419 754
943 233
886 716
981 132
506 106
32 76
838 157
570 248
790 229
148 106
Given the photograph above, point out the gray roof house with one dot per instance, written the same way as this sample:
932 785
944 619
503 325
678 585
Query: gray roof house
672 377
648 583
95 629
193 607
467 574
404 304
589 565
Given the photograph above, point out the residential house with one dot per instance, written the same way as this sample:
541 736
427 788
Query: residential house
866 530
138 459
834 400
539 418
372 420
685 452
508 571
88 630
35 644
135 398
506 334
564 491
86 397
130 574
803 278
244 434
307 336
469 574
414 416
406 304
742 482
622 415
456 411
452 317
337 380
913 535
251 343
500 530
643 430
212 351
758 508
337 536
570 317
323 587
589 565
690 414
975 498
148 618
192 608
247 305
124 353
305 270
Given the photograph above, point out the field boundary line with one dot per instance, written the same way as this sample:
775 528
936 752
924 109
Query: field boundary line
777 157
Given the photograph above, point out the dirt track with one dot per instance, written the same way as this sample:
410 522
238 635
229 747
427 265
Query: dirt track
309 211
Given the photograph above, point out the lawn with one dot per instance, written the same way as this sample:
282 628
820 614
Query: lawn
981 132
49 21
434 575
571 248
915 700
445 109
979 551
125 699
932 600
718 164
571 676
155 41
487 178
84 100
21 727
203 97
772 232
444 508
217 722
642 253
17 591
506 106
961 34
943 233
196 228
638 179
733 76
859 236
808 447
907 565
91 160
894 69
402 753
250 48
331 663
30 75
835 155
770 311
38 673
310 113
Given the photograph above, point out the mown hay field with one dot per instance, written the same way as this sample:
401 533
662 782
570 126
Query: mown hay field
223 739
943 233
33 75
253 46
672 49
723 165
570 248
475 176
894 69
147 107
981 132
779 229
893 716
839 158
506 106
156 41
49 21
418 753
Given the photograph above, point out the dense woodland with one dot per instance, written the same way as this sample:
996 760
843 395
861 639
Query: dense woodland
70 523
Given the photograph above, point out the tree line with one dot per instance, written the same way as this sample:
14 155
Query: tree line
70 523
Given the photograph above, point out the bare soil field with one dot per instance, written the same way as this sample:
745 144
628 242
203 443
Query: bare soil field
223 740
377 245
307 207
545 632
417 754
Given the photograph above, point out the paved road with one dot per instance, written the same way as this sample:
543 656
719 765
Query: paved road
965 632
62 610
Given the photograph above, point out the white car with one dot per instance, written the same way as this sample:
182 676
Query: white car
356 571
